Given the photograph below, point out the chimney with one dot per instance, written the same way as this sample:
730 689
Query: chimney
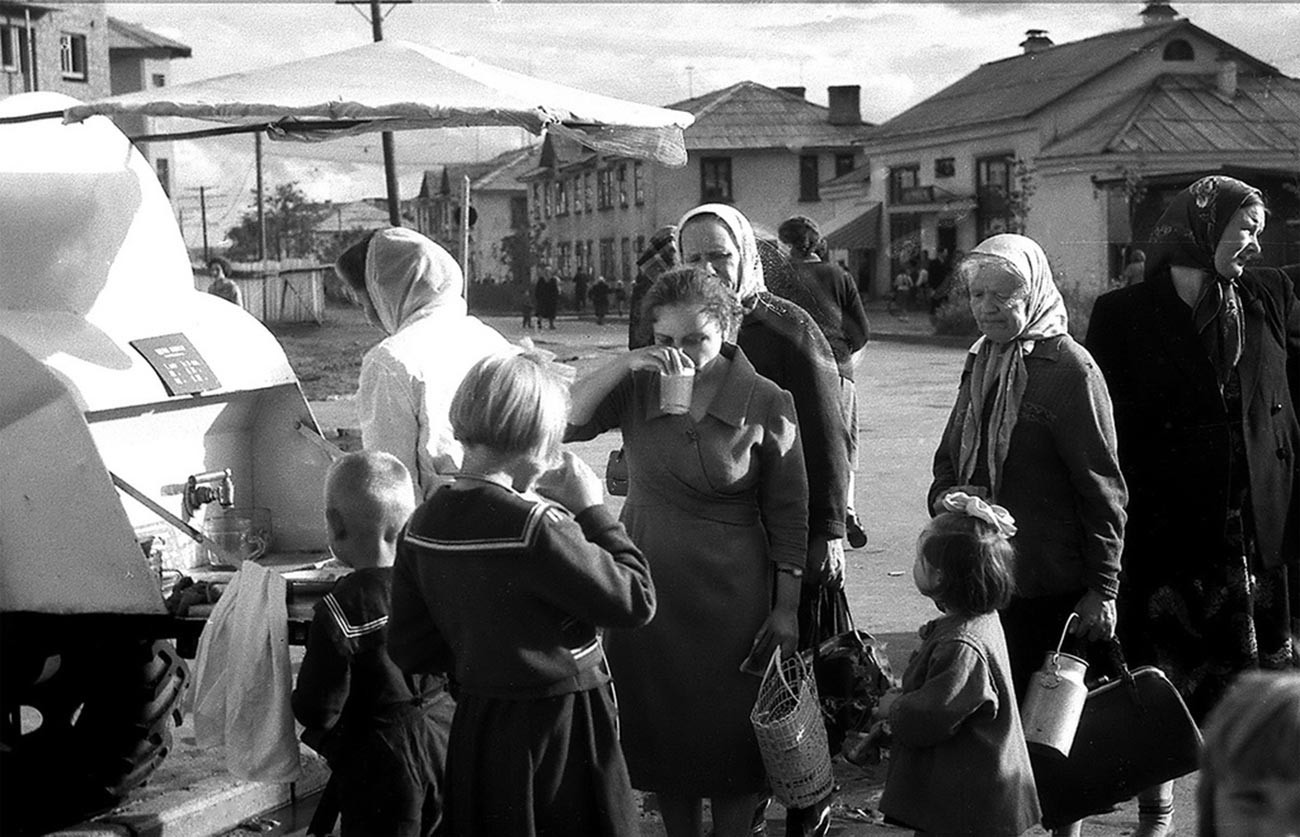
1158 14
1226 78
1036 40
794 91
845 104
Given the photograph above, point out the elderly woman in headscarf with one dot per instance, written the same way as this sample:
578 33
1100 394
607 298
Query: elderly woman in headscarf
786 346
1201 358
414 290
1033 430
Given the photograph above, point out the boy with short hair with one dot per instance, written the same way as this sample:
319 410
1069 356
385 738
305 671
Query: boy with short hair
383 733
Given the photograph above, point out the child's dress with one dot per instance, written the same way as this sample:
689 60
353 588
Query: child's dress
958 763
507 591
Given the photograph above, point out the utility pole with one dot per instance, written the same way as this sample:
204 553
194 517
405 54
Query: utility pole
204 193
261 199
385 137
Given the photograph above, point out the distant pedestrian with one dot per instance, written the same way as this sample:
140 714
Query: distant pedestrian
620 296
546 296
958 760
222 285
1136 268
902 293
384 734
526 306
600 294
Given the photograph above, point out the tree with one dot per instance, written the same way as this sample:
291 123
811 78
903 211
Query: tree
290 219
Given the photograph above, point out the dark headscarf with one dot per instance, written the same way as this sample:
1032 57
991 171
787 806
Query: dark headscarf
1187 235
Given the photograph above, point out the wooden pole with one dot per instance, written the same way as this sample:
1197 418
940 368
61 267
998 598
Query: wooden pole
464 232
261 199
386 137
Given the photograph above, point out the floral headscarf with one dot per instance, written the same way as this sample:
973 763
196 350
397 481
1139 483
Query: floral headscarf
409 277
999 368
750 270
1187 234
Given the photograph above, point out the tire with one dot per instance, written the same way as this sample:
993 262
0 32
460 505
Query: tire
105 723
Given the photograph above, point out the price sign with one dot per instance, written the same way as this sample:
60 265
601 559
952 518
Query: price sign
180 366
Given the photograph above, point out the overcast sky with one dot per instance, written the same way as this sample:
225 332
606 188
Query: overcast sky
655 53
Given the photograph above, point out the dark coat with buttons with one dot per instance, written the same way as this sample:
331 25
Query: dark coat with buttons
1172 421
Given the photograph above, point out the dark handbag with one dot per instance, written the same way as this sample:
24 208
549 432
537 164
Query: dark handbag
1135 732
849 664
616 473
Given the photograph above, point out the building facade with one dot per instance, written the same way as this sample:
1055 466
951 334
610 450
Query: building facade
1081 146
766 151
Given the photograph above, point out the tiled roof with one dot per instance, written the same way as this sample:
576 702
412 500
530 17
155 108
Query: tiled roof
123 35
1021 85
750 115
1185 114
502 172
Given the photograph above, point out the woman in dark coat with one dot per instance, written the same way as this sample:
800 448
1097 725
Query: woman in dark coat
1201 359
546 296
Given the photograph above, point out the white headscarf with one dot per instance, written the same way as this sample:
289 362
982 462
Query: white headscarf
999 368
409 277
749 280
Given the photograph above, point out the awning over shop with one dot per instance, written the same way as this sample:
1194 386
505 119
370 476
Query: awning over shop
861 232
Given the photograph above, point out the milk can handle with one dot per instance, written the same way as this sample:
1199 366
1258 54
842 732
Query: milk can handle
1065 631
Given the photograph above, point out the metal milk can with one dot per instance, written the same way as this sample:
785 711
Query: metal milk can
1054 700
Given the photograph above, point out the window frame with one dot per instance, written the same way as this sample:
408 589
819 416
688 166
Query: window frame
810 166
723 190
896 186
638 184
72 54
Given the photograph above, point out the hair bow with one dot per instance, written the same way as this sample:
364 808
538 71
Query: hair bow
994 515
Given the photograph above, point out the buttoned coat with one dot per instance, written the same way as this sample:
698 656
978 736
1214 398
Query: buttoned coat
1172 421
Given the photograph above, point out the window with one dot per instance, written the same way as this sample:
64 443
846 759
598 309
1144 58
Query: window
72 55
1179 50
993 194
607 258
622 185
547 195
626 265
715 180
159 80
844 163
537 201
590 250
640 245
945 167
901 179
164 168
518 213
563 257
604 188
638 184
561 198
809 172
586 190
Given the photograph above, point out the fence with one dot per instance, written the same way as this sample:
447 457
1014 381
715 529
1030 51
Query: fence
290 291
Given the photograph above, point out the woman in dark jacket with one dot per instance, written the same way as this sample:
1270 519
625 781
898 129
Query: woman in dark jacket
1032 430
1202 361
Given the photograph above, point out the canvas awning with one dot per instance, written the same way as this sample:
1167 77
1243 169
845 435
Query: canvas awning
861 232
396 85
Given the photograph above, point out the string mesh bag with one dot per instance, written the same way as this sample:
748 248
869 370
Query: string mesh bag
791 735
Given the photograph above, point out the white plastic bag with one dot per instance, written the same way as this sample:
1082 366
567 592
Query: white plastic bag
244 679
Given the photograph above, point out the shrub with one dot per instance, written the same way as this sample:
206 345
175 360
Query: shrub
953 316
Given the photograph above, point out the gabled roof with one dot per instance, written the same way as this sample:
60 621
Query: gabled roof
1019 86
501 173
750 115
356 215
1185 114
132 36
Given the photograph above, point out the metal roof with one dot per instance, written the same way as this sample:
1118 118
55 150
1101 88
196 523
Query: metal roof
1186 114
1018 86
748 115
123 35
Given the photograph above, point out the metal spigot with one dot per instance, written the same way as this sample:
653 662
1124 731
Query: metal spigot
201 489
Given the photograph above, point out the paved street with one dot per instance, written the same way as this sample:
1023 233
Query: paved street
907 383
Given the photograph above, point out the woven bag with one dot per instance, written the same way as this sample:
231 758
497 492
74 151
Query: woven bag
791 735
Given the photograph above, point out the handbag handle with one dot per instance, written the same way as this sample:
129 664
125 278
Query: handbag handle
775 663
